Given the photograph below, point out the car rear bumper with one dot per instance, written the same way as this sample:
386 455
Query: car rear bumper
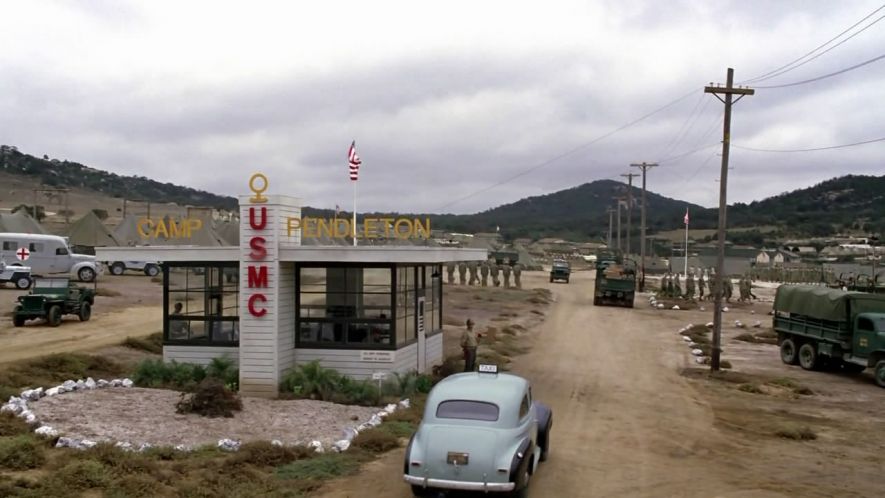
458 485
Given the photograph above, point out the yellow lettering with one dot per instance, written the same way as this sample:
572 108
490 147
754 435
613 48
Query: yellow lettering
323 226
369 228
258 189
145 233
423 230
176 230
193 225
306 231
292 224
161 227
344 226
399 233
387 222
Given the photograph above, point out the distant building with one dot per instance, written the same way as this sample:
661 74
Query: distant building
769 257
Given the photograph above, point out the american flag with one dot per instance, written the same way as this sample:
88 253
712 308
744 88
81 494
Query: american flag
354 160
686 216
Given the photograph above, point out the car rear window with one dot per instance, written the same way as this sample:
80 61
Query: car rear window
467 410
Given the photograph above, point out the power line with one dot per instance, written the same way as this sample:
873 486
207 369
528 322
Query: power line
824 52
767 75
843 146
572 151
678 136
812 80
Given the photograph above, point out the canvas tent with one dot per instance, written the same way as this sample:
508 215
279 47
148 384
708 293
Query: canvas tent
20 222
126 232
824 303
89 231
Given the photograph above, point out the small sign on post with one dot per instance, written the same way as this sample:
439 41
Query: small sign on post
379 376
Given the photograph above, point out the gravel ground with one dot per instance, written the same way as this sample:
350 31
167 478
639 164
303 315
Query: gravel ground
141 415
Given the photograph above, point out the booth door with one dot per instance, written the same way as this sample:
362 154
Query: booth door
422 344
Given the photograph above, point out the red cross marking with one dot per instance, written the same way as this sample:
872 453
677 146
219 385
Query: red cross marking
23 254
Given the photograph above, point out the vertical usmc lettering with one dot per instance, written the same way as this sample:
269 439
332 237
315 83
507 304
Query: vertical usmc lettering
257 272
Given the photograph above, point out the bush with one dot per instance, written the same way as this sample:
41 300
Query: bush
798 434
150 344
398 428
211 399
10 425
376 441
84 474
750 388
21 453
312 381
134 486
224 369
156 373
265 454
321 467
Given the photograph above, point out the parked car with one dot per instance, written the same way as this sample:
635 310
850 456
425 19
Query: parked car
50 299
18 275
560 271
47 255
149 268
481 431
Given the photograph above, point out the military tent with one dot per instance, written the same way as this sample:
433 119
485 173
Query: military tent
89 231
20 222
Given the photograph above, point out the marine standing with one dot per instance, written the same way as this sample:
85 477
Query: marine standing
493 269
677 286
471 268
664 280
450 270
689 286
729 288
484 273
701 285
506 272
517 274
469 342
462 273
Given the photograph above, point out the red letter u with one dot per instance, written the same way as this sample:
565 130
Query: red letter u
260 225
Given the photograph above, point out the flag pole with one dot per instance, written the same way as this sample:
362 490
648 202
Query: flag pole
354 213
686 243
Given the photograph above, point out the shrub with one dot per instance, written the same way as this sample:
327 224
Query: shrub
376 441
224 369
156 373
265 454
211 399
312 381
10 425
134 486
151 344
20 453
321 467
84 474
398 428
750 388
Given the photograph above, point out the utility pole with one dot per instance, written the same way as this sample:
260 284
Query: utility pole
644 166
610 212
629 177
619 200
728 91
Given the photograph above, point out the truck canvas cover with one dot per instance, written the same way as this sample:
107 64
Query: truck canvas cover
824 303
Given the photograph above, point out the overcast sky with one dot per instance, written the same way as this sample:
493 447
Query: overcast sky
443 99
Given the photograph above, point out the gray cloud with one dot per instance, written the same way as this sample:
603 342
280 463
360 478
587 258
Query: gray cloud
445 118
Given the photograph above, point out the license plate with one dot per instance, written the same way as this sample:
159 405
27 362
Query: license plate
457 458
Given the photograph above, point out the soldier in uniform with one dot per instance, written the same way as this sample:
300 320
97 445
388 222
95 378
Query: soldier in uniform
450 270
664 281
471 268
506 271
729 288
462 273
689 286
750 294
484 273
671 289
677 286
517 274
493 270
701 285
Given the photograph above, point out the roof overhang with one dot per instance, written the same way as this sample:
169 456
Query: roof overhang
312 254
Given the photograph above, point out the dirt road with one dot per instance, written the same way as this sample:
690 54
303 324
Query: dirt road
626 422
104 329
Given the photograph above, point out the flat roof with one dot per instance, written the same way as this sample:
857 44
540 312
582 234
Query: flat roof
312 254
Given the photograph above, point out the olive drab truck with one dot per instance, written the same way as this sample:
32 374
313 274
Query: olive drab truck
615 280
817 325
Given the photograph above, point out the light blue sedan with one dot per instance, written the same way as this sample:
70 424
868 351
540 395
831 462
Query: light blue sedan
481 432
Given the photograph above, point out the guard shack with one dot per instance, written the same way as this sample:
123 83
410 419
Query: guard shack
273 303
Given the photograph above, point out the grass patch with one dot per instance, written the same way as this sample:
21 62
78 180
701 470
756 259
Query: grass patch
322 467
84 474
105 292
134 486
398 428
797 433
151 344
51 370
750 388
10 425
21 452
791 385
265 454
376 441
508 346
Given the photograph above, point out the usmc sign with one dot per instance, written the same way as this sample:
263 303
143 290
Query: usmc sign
256 269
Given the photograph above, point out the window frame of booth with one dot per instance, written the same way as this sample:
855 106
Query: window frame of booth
205 318
394 318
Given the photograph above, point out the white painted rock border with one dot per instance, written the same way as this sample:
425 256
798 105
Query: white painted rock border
18 405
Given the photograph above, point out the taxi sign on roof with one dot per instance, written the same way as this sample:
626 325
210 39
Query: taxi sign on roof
492 369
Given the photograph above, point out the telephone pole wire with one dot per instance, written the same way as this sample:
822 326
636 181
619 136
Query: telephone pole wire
644 166
729 90
610 212
629 177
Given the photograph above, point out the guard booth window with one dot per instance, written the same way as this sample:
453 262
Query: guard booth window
201 304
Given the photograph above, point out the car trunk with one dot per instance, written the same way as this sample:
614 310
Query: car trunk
478 444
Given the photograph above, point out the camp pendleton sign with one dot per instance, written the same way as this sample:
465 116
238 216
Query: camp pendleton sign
372 228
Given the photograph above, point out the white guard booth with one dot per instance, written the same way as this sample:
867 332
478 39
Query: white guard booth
273 303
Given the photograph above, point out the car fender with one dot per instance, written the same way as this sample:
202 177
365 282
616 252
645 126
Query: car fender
84 264
414 452
519 461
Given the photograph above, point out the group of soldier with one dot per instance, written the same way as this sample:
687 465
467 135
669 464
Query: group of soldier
672 287
467 273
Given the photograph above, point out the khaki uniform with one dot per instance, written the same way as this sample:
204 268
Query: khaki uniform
506 276
462 273
450 271
517 274
484 273
469 343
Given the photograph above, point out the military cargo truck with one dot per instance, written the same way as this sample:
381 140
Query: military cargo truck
817 325
615 281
